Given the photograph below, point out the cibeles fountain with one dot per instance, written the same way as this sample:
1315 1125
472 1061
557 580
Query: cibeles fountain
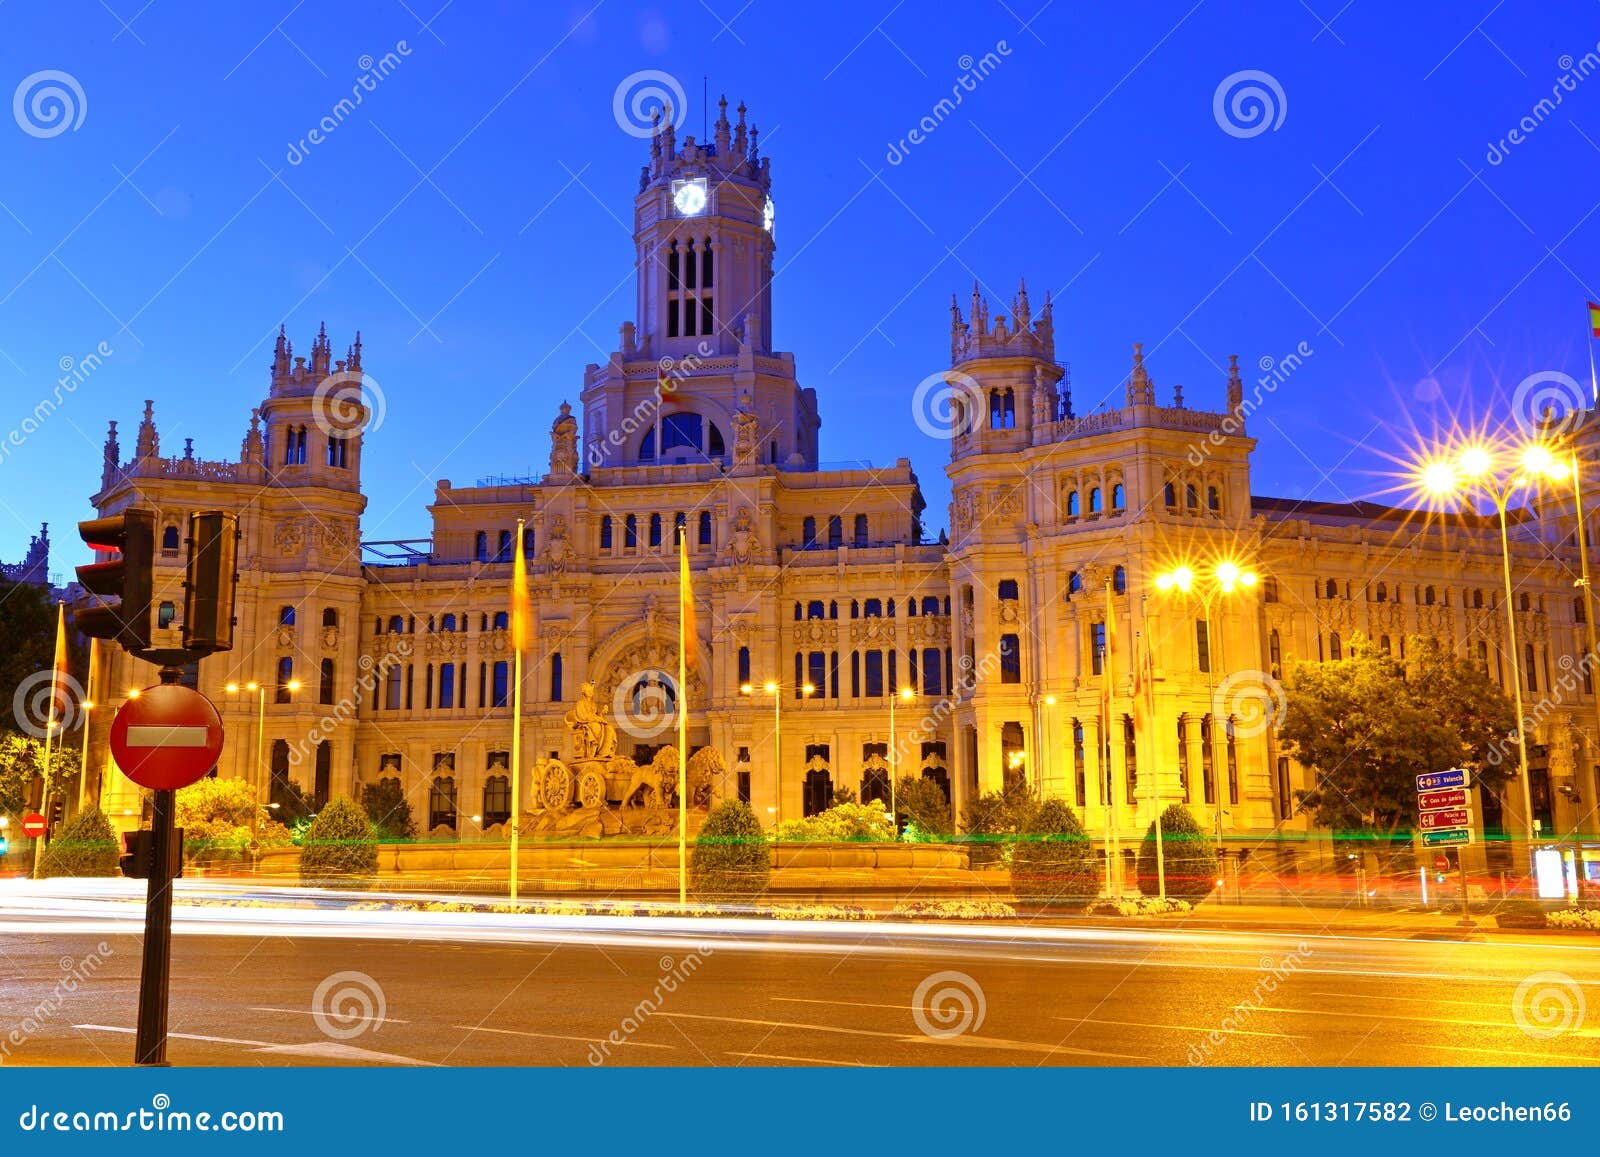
598 792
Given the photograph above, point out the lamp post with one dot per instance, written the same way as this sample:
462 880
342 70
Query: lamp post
260 690
83 755
1042 736
1224 579
1480 469
773 688
908 695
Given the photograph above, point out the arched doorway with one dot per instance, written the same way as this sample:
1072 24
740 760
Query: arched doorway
818 787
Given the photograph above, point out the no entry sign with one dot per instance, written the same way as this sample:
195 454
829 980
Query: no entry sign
33 825
167 738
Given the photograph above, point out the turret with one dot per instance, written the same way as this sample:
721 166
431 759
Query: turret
1141 389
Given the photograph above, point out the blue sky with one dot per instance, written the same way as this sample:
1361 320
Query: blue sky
1369 224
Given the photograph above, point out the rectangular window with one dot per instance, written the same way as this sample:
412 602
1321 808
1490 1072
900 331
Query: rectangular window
1529 669
1233 766
1183 757
1202 638
706 322
1010 659
932 672
1208 771
1079 776
874 674
447 685
555 677
1285 803
672 317
817 671
1097 648
1130 757
502 684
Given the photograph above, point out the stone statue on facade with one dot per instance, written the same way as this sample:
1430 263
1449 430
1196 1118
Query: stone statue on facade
593 735
564 443
745 442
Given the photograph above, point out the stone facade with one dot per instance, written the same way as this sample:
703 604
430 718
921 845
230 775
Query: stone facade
818 576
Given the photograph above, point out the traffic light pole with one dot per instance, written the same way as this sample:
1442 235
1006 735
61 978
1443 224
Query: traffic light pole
150 1042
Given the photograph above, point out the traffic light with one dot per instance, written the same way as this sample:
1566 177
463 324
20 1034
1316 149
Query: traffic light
57 808
36 793
208 587
132 535
139 855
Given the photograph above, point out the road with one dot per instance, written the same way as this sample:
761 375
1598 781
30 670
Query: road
331 985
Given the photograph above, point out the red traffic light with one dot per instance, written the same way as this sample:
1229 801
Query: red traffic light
128 579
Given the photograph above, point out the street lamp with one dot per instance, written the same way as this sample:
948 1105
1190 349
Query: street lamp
1041 729
771 687
1486 470
906 694
83 756
1225 579
260 690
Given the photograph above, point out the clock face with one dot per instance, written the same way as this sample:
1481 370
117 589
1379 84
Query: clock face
767 214
689 198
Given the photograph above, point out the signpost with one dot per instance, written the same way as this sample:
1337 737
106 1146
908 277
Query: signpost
167 738
1444 818
33 825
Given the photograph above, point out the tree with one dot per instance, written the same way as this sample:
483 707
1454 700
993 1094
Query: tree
731 858
340 847
388 809
1366 726
1189 862
1056 862
994 819
22 760
843 823
219 818
27 635
87 846
923 806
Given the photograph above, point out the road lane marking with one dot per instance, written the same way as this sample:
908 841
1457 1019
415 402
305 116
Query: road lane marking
316 1012
330 1049
588 1040
964 1041
1506 1025
803 1060
1182 1027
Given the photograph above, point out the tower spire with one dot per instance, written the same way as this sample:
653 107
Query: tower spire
1235 388
1141 390
723 138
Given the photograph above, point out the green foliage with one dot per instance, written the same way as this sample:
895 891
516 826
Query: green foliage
867 823
294 803
219 818
22 759
1055 862
386 806
1189 858
993 820
730 859
1367 725
839 793
87 846
923 807
340 846
27 636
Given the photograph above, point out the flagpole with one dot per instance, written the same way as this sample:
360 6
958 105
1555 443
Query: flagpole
519 630
86 706
684 595
50 728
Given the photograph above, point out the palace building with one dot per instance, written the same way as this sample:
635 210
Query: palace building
835 642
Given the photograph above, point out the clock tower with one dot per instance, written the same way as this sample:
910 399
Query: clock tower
699 359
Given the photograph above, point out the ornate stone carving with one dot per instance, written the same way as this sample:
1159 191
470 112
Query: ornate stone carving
816 631
593 735
558 551
564 442
743 545
295 535
746 441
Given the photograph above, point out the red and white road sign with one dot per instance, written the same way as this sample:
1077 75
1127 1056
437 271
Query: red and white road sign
33 825
1432 801
1436 821
169 737
1441 863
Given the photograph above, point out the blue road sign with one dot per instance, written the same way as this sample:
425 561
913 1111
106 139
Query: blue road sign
1434 780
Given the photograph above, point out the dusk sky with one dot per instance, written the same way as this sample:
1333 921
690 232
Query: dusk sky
472 216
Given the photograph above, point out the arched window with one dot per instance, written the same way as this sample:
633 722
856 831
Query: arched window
1385 645
1330 589
1006 591
861 538
1275 653
480 546
1075 583
855 609
655 530
285 677
1523 602
1213 500
397 625
330 617
889 610
1382 593
930 605
872 609
835 532
286 616
448 623
1072 505
705 528
1191 496
744 665
442 802
169 539
165 614
1170 494
605 532
503 552
501 620
555 677
1335 651
630 532
1477 600
325 681
680 527
833 608
1119 498
496 800
815 610
1428 596
808 533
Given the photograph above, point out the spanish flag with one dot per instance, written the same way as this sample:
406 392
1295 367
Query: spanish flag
1594 319
686 599
520 604
61 678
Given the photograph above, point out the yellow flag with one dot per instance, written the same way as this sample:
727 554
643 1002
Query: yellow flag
521 609
686 599
60 704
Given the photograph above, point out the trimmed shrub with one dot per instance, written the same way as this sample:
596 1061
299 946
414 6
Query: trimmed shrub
923 806
340 847
993 820
843 823
386 806
730 858
86 847
1055 863
1190 860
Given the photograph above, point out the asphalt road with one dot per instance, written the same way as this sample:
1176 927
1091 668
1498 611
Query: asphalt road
264 986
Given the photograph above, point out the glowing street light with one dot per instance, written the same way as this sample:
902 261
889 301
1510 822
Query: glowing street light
905 694
771 687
